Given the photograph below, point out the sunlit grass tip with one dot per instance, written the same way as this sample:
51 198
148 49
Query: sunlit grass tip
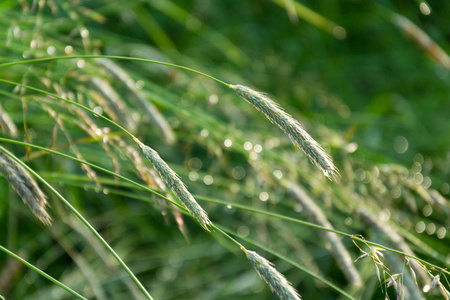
171 179
276 281
290 127
25 186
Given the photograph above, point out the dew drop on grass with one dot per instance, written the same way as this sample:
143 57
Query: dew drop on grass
264 196
278 174
68 50
441 232
238 173
208 180
228 143
431 228
98 110
193 176
257 148
243 231
427 210
400 144
420 227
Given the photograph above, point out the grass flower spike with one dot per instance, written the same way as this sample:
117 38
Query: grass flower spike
171 179
25 186
289 126
276 281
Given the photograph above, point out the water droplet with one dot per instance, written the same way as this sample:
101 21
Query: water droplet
139 84
431 228
441 232
195 164
420 227
229 206
248 146
51 50
427 210
264 196
81 63
208 180
243 231
84 33
204 133
228 143
278 174
68 50
98 110
213 99
424 8
400 144
193 176
238 173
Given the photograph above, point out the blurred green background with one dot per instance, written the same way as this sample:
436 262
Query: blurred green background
368 80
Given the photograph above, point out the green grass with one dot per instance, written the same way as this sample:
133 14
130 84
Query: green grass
358 80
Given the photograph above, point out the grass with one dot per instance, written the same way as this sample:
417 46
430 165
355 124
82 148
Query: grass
84 86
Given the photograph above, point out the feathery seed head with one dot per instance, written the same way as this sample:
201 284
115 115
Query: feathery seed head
171 179
276 281
25 186
290 127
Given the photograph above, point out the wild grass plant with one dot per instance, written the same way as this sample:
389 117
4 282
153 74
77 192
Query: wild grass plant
162 183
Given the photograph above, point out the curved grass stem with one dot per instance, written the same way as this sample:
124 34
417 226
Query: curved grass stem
225 203
42 273
36 60
84 221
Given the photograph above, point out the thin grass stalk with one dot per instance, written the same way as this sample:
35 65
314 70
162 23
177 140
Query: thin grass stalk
84 221
236 205
42 273
290 127
31 61
289 261
409 290
339 252
27 188
397 241
81 262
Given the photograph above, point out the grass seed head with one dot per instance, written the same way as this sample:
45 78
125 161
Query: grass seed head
25 186
172 180
276 281
290 127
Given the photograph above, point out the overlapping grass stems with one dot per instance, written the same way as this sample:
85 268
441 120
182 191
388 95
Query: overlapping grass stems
371 245
26 187
291 127
287 124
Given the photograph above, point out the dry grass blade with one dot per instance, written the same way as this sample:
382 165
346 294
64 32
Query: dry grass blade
276 281
171 179
289 126
25 186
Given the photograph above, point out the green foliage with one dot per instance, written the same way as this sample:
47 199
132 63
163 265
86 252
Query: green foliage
368 81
